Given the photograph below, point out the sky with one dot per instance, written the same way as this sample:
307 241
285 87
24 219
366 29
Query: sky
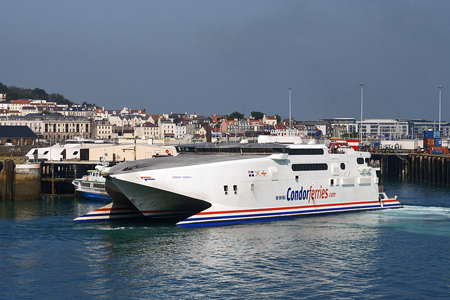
217 57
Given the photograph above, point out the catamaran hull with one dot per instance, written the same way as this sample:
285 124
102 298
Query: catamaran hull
155 203
211 218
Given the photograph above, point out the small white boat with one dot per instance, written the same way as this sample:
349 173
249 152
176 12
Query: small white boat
92 185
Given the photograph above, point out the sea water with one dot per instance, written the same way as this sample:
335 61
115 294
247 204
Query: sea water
390 254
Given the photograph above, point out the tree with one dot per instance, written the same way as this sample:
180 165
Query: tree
39 94
3 88
17 93
257 115
235 115
59 99
87 104
278 119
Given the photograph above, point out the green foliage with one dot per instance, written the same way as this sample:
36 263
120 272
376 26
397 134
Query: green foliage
3 88
16 93
257 115
87 104
278 119
59 99
178 120
39 94
235 115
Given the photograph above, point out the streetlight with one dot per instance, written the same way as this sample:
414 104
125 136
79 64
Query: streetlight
440 90
290 118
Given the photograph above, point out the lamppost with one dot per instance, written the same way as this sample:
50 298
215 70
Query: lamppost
440 90
360 127
290 117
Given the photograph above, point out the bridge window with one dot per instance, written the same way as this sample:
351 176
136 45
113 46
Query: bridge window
305 151
360 160
309 167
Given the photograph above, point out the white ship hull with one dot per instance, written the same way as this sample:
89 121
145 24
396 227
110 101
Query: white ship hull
212 189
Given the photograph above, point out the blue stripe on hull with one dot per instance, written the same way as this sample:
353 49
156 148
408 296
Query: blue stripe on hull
96 197
229 220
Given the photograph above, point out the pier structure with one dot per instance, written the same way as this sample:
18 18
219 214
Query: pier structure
57 176
415 166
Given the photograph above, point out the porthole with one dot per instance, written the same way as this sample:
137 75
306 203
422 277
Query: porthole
342 166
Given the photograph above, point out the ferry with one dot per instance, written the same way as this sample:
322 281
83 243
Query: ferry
205 189
92 185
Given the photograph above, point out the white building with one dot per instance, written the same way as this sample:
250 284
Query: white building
180 131
167 129
379 128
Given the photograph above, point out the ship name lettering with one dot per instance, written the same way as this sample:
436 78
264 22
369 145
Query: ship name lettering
308 194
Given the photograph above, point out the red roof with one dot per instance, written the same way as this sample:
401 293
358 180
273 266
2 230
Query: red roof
20 101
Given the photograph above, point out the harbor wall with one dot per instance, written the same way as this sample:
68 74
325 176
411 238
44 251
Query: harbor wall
20 182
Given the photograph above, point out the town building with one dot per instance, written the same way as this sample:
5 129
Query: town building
269 120
102 130
17 136
59 127
147 130
167 129
383 128
34 122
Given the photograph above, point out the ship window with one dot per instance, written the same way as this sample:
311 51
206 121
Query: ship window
99 185
331 181
235 189
225 189
309 167
360 160
342 166
305 151
85 184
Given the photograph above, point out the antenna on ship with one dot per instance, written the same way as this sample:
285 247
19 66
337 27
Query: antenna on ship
360 127
290 118
440 90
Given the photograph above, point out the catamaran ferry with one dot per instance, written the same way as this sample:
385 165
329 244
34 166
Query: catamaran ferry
215 189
